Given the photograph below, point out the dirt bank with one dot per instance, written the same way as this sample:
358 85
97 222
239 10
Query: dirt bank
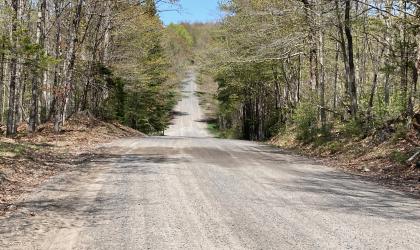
28 160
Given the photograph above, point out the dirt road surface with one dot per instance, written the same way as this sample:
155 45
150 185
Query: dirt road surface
190 191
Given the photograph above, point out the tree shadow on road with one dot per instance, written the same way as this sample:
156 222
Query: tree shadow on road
344 193
76 199
338 191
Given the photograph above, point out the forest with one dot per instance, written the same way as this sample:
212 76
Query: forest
315 67
112 59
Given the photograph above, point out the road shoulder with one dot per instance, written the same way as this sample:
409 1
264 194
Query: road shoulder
28 161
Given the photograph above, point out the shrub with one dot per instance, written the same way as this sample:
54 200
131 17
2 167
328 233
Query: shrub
399 157
400 132
306 120
335 147
352 128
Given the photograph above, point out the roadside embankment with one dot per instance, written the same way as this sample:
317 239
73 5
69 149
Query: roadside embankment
382 157
28 160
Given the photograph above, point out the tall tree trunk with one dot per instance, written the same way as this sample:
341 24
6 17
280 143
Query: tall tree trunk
36 73
45 90
388 41
57 53
310 19
404 64
107 32
337 55
68 68
417 64
2 63
91 66
323 114
352 70
299 79
343 47
11 126
376 67
21 73
287 85
277 91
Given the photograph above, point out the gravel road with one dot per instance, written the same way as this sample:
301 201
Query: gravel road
190 191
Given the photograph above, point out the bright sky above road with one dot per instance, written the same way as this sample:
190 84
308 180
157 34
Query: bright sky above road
191 11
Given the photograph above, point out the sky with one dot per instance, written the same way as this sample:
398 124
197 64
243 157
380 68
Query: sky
191 11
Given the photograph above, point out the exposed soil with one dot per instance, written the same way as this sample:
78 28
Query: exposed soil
381 160
28 160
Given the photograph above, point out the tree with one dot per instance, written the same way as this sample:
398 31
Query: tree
11 122
350 59
40 39
354 54
70 59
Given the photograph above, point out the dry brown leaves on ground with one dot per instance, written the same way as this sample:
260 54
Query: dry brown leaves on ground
384 162
26 161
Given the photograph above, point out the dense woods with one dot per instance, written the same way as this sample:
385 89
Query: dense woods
315 66
312 65
110 58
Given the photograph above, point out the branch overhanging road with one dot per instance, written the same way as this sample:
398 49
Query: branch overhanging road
190 191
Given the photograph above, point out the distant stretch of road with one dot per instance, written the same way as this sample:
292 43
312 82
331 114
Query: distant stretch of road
187 190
